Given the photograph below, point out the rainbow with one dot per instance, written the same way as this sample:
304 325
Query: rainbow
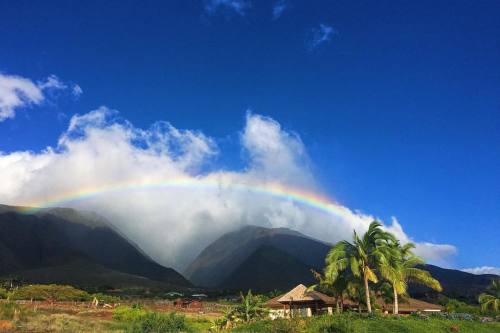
275 190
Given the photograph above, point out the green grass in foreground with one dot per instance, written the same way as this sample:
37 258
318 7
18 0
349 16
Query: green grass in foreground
356 324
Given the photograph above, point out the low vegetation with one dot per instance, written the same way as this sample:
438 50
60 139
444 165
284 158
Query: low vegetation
355 323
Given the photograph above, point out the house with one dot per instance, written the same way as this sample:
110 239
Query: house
301 302
409 305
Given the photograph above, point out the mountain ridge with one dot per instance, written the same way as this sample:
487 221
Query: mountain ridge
48 238
252 258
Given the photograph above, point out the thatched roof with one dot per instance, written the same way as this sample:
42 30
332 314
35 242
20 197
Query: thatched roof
410 305
301 294
273 303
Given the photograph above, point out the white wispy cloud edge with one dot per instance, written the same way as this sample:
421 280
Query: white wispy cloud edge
321 35
173 225
238 6
18 92
483 270
77 91
279 8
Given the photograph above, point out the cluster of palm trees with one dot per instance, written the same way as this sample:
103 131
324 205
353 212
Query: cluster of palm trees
376 257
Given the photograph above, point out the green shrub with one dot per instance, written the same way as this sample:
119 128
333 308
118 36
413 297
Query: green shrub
105 298
154 322
334 324
454 305
128 314
49 292
285 326
3 293
13 311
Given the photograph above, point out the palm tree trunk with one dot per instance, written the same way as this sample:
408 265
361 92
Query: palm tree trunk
396 305
367 294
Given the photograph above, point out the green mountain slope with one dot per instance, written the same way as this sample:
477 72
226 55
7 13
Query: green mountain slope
268 268
218 260
53 238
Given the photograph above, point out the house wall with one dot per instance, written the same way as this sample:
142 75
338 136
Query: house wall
297 312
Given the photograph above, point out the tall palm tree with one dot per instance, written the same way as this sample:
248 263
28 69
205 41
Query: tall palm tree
398 267
492 299
362 257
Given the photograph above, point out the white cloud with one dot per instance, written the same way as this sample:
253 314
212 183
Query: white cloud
238 6
483 270
172 224
18 92
52 82
435 253
321 35
279 8
76 90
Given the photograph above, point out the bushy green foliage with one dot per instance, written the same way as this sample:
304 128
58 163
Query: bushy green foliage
3 293
128 314
49 292
455 306
286 326
250 308
140 320
334 324
105 298
154 322
8 309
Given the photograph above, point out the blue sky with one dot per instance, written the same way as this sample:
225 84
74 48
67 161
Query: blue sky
396 102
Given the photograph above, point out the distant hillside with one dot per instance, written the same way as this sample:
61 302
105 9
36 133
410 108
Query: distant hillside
456 284
224 256
51 240
268 266
265 259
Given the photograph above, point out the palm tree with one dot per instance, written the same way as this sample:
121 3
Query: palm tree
491 300
337 288
250 307
362 257
398 267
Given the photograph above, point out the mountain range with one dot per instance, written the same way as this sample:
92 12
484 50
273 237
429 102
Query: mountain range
81 248
264 259
63 245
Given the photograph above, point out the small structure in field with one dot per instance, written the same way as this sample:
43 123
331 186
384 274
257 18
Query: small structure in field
299 302
186 303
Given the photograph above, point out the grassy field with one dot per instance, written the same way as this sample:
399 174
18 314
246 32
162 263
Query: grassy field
78 317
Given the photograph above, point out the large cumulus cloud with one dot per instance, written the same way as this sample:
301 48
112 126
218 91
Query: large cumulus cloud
172 224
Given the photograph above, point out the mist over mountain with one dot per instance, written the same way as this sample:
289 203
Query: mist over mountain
161 187
76 247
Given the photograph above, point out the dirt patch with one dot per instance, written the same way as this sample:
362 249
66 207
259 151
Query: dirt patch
6 326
